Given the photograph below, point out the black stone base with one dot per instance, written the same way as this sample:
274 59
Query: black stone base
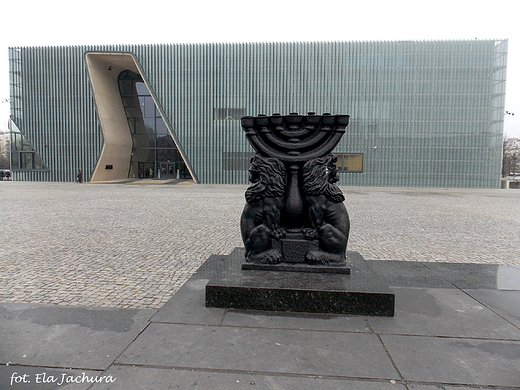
362 292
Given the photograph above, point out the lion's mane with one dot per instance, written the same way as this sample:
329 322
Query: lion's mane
316 178
270 178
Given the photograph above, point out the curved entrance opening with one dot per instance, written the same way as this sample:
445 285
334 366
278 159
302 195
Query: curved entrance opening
154 153
138 143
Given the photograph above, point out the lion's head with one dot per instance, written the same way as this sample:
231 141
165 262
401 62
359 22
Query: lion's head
268 177
319 176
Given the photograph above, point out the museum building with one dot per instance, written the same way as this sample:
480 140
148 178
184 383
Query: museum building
422 113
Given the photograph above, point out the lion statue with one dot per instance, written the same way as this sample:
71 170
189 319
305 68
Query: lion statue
328 217
260 220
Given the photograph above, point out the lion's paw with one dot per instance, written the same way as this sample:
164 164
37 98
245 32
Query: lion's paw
316 258
272 256
310 234
278 233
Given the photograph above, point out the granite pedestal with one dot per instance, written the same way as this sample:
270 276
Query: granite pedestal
362 292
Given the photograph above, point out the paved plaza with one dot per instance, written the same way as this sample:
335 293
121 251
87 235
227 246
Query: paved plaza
133 244
102 287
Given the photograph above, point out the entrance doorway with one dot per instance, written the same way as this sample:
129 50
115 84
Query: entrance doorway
146 170
168 171
154 152
173 170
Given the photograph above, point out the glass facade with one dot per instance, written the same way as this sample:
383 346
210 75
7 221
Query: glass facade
229 113
423 113
154 153
23 155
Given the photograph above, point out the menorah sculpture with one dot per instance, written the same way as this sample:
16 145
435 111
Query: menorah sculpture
294 215
295 220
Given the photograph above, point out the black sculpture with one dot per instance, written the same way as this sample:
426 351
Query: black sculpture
328 217
294 212
295 220
261 218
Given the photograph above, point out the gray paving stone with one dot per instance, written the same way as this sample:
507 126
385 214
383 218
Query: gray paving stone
447 387
408 274
443 312
187 306
133 246
481 276
148 378
261 350
461 361
276 320
45 378
505 303
67 337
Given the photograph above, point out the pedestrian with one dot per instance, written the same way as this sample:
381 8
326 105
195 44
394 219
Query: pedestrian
80 177
2 175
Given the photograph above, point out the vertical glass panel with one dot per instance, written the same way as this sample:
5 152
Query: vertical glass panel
27 161
15 161
126 87
16 143
141 104
141 88
161 128
149 107
150 126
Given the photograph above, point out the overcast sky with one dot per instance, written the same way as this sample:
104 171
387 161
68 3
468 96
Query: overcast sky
65 22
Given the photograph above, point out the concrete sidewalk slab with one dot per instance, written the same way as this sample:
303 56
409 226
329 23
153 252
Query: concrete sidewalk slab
44 378
303 321
504 303
65 337
409 274
482 276
160 378
425 312
243 349
187 305
455 360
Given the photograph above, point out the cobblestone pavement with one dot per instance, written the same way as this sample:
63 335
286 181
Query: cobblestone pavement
132 245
